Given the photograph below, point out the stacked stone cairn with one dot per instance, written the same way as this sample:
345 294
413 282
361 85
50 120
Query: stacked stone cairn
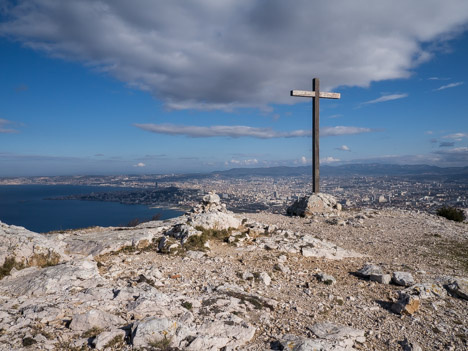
318 204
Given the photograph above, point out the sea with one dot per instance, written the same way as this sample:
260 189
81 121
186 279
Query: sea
28 206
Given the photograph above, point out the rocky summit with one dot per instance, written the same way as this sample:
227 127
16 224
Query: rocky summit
325 279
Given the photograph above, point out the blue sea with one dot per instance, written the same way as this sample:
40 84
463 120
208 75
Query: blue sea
26 206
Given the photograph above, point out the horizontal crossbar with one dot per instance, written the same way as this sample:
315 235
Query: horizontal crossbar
305 93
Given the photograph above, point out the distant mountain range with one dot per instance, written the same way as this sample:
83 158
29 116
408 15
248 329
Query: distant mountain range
374 169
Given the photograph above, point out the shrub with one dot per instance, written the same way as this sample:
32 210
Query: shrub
451 213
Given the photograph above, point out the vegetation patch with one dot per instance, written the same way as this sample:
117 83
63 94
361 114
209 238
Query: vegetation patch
162 344
187 305
92 333
197 242
8 265
117 341
451 213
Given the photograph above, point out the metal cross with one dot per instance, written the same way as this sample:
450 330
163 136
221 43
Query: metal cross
315 94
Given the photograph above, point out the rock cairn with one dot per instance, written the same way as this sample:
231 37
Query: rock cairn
314 205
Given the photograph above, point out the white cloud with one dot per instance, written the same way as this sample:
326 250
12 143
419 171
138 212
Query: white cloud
303 160
451 85
227 54
3 126
244 131
343 148
342 130
456 136
386 98
250 162
139 164
329 160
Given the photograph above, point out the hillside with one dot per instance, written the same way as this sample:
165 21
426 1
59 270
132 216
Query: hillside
273 283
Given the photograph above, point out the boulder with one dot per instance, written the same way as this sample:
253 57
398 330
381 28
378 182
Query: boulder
27 248
326 278
312 205
459 287
95 319
368 270
381 278
403 278
406 304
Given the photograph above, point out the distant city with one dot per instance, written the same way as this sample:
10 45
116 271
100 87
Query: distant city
423 188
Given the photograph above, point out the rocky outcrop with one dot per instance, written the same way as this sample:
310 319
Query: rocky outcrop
26 248
313 205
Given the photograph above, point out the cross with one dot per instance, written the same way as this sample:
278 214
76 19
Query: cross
315 94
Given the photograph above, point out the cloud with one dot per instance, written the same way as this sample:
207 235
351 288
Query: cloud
250 162
303 160
429 132
456 136
245 53
451 85
139 164
447 144
458 156
335 116
329 160
343 148
385 98
341 130
244 131
3 126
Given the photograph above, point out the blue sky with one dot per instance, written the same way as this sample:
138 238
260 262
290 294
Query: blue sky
160 87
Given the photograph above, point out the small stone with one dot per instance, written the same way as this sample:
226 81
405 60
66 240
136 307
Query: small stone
381 278
326 278
406 304
459 287
369 269
282 268
264 278
408 345
403 278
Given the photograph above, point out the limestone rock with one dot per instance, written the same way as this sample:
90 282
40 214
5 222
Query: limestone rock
29 248
369 269
312 205
381 278
427 290
408 345
326 278
107 338
330 337
95 319
459 287
264 278
403 278
52 280
406 304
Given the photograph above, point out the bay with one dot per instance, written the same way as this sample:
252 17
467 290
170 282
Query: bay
26 206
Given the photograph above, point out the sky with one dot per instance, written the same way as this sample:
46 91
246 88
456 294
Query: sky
148 86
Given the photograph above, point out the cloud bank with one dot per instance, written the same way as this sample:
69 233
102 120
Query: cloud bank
236 53
244 131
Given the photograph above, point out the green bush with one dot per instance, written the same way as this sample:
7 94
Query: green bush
451 213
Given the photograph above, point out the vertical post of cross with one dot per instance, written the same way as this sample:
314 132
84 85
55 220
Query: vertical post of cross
315 94
315 136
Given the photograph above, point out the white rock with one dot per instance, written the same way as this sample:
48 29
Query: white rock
106 337
369 269
403 278
265 278
381 278
95 319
